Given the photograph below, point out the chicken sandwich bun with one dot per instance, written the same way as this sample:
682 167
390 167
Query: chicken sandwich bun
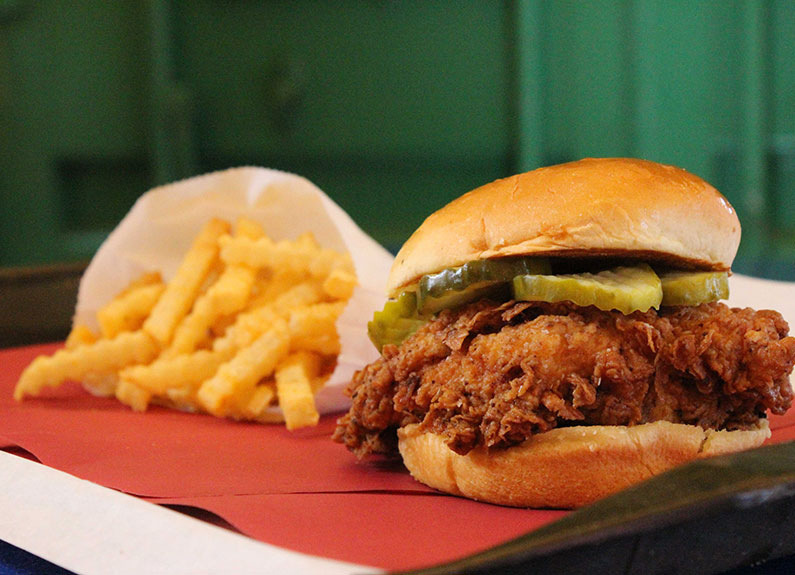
556 336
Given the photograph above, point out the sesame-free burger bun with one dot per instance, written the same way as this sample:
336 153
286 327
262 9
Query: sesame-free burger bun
607 206
566 467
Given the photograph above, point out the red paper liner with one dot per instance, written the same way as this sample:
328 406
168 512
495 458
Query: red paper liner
297 490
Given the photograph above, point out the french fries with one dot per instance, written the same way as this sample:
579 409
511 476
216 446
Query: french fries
245 324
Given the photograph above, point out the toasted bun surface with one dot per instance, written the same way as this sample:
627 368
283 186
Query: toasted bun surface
566 467
610 206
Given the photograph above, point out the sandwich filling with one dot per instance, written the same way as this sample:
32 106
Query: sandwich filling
494 374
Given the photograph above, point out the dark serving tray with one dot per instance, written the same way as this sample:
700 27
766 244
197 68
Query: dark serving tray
734 512
38 302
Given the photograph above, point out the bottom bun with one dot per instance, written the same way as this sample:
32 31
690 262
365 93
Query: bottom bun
569 466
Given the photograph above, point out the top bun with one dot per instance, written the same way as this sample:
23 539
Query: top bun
604 207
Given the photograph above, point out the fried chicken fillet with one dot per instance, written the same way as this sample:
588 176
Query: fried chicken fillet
498 374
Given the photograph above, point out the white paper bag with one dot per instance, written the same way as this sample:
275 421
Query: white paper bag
159 229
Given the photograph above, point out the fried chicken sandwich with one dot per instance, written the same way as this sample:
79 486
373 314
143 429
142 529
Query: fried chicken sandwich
556 336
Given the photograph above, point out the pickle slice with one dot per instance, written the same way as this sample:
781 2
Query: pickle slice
397 321
694 288
453 287
625 289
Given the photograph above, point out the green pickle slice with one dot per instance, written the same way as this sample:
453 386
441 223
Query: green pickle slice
453 287
693 288
624 288
397 321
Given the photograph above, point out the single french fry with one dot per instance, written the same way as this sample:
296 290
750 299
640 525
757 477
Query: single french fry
132 395
182 289
313 328
248 228
145 279
186 371
79 335
339 284
261 398
294 388
104 355
128 311
221 394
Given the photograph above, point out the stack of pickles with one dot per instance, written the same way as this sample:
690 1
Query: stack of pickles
625 288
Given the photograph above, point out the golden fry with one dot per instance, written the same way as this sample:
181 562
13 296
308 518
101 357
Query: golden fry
251 324
182 289
226 296
261 398
313 328
186 371
294 388
80 335
240 374
127 311
104 355
132 395
339 284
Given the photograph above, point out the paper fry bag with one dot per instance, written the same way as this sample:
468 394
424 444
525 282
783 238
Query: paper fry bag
160 227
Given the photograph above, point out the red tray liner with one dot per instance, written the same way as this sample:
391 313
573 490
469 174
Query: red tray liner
393 531
298 490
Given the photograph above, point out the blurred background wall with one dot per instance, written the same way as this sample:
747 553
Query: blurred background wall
392 108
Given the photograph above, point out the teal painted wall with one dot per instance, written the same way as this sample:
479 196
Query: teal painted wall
393 108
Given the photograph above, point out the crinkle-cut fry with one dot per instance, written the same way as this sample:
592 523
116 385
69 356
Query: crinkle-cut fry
80 335
248 327
226 296
145 279
303 294
132 395
128 311
182 371
248 228
313 328
307 240
101 384
294 388
261 398
339 284
277 283
236 378
284 254
182 289
105 355
250 324
328 261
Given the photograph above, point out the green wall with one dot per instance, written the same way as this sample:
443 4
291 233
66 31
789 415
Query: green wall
393 108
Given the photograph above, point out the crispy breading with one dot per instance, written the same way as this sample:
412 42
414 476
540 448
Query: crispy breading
495 375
